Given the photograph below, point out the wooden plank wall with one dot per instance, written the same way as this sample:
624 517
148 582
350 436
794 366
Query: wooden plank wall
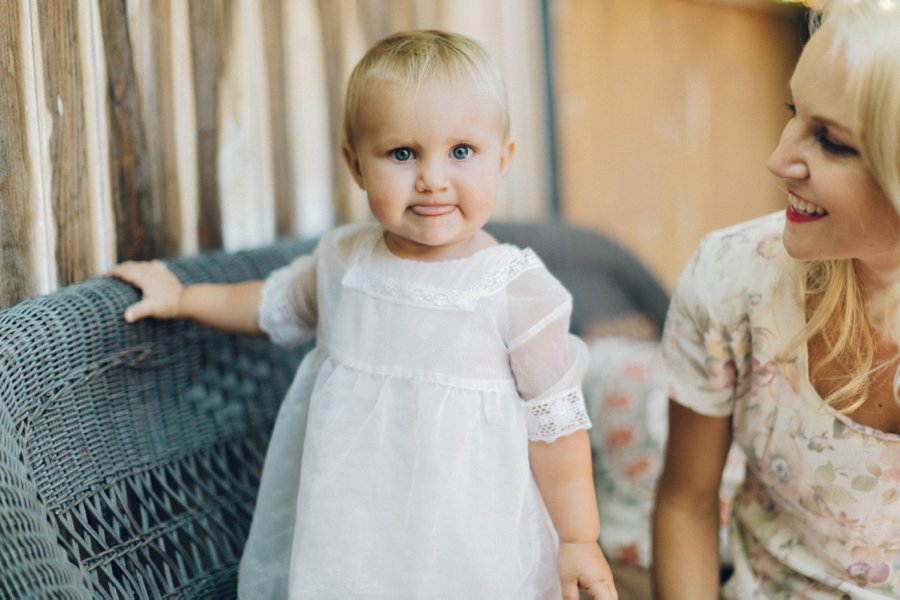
152 128
666 135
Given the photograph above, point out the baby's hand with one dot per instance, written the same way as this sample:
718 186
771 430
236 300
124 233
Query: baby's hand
583 567
160 288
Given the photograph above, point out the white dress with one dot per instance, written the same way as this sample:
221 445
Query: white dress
398 465
818 515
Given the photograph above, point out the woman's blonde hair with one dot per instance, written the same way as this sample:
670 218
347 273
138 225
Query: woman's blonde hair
414 57
868 33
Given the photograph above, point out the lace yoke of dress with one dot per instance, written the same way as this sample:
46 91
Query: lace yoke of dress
419 283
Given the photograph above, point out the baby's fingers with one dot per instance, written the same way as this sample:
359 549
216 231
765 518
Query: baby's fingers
597 591
160 288
141 273
138 311
571 591
602 591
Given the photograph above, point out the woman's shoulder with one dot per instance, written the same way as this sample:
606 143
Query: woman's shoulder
756 238
741 252
739 265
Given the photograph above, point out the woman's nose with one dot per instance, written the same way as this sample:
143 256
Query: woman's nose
788 160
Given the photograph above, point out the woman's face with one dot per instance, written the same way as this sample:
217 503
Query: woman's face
835 208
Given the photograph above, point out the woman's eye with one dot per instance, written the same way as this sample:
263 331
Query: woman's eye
461 152
401 154
832 147
828 145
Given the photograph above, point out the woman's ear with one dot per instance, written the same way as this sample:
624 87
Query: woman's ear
353 164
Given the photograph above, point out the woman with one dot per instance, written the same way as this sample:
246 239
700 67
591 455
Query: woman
783 336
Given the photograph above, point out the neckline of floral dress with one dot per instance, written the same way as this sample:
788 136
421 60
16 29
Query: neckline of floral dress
803 366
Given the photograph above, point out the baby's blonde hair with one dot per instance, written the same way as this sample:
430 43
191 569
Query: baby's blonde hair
414 57
868 34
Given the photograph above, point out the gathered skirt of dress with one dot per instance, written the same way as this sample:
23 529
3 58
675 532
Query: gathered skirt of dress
398 497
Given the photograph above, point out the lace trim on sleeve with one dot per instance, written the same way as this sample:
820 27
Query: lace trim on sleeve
556 416
276 317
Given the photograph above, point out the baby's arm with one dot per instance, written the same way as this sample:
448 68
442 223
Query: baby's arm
548 364
562 470
229 307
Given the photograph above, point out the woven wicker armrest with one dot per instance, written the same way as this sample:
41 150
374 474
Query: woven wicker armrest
130 454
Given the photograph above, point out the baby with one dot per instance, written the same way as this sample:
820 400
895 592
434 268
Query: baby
433 443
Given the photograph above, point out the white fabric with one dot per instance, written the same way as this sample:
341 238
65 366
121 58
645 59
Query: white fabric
411 479
818 514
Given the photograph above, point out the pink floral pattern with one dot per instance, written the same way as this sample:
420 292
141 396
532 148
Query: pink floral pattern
818 515
629 412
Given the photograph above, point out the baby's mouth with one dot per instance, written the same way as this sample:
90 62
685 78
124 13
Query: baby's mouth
432 210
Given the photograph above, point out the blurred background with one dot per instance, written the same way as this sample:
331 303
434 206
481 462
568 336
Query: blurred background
156 128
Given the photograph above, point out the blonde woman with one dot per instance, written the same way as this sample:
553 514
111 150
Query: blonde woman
783 336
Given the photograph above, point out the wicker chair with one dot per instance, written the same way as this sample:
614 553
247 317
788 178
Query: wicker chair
130 454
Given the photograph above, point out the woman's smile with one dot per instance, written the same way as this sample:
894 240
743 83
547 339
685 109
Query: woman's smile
803 211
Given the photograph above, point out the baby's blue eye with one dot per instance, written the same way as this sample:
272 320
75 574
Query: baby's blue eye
401 154
461 152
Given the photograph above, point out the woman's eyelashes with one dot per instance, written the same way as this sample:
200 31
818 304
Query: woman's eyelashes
831 146
828 144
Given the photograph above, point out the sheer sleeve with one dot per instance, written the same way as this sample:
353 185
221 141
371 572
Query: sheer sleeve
547 361
288 309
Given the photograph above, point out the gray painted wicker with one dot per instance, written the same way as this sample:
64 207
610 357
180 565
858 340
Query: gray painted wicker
130 454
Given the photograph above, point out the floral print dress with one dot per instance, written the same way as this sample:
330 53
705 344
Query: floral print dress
818 515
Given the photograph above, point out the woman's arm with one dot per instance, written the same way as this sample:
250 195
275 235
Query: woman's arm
229 307
686 516
563 472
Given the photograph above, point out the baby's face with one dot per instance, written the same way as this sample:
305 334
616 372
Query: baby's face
430 158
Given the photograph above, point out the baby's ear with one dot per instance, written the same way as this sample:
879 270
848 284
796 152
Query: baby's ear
353 164
506 153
